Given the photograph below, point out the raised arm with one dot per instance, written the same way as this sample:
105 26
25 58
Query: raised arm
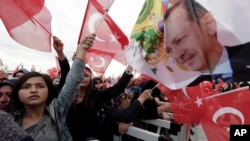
119 87
63 61
74 76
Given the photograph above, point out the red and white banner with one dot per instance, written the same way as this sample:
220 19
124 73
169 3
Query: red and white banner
28 22
223 110
109 37
98 60
187 103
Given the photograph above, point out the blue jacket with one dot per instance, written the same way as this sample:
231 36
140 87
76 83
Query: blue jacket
59 107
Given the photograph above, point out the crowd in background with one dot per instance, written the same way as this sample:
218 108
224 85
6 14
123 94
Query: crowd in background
100 109
80 106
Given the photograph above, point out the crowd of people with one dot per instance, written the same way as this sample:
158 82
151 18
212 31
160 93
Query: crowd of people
81 107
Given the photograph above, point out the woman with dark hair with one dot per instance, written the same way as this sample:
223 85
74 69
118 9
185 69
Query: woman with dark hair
83 119
35 105
124 114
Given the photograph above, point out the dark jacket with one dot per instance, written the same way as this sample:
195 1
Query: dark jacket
115 115
64 67
240 61
84 122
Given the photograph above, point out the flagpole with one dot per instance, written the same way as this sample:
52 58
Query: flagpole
104 16
155 86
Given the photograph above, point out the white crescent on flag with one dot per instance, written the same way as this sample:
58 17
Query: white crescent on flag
95 59
95 19
226 110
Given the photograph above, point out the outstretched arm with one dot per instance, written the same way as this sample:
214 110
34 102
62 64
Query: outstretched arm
63 61
74 77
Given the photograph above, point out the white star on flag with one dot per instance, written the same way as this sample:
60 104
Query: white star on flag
198 102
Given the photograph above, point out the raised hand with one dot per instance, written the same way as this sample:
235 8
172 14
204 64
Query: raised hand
85 44
58 46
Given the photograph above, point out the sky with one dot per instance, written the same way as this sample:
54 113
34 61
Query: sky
67 17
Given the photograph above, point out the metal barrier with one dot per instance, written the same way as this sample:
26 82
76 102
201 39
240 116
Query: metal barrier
178 133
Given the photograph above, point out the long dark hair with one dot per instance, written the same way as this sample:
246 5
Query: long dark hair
88 89
15 103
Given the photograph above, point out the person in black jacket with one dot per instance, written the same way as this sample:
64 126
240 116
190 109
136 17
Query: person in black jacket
62 60
123 115
83 120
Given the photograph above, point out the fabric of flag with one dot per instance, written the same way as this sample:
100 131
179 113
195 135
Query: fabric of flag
109 37
98 60
224 110
146 53
186 103
28 22
213 111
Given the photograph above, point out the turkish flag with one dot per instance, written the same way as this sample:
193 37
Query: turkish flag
187 103
98 60
109 37
28 22
223 110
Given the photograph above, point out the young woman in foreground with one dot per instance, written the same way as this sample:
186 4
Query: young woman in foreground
34 103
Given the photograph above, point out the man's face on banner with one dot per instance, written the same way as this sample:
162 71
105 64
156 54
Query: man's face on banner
183 41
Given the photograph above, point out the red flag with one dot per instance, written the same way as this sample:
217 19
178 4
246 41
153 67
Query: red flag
28 22
98 60
187 103
110 37
223 110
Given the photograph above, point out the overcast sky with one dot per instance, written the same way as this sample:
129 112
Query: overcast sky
67 17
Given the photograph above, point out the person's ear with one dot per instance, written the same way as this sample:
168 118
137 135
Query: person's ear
209 23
